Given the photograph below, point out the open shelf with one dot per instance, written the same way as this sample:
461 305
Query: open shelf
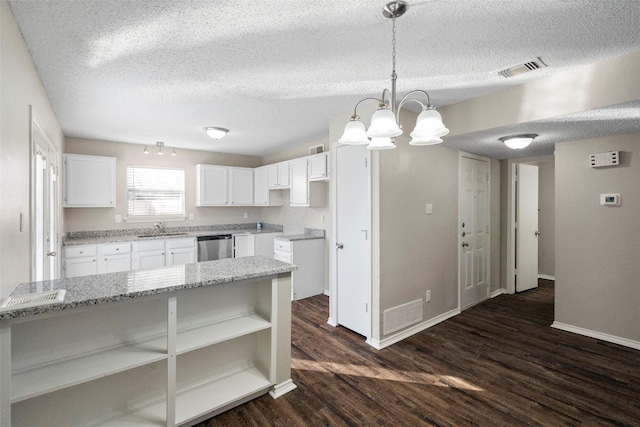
219 393
64 373
206 334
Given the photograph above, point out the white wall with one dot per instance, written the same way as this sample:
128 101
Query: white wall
598 247
20 87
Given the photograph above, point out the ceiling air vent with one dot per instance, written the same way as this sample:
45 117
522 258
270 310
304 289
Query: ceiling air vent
522 68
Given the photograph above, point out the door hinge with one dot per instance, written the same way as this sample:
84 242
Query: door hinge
366 163
366 307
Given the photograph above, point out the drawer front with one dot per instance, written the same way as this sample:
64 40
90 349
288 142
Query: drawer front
189 242
115 248
282 245
80 251
151 245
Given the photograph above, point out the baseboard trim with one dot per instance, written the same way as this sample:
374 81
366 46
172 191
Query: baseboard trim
497 293
597 335
386 342
282 389
546 277
331 321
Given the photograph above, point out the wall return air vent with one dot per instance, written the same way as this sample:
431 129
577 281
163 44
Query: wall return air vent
526 67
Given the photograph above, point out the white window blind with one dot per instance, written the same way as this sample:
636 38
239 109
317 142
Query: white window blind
155 192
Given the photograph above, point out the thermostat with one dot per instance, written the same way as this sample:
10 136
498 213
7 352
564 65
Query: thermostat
610 199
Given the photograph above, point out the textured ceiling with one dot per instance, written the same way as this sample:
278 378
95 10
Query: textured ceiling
274 72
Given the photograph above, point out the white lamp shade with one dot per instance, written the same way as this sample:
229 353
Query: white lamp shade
216 133
425 141
381 144
383 125
354 134
429 125
518 142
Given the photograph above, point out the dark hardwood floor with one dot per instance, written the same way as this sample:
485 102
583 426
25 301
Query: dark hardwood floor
496 364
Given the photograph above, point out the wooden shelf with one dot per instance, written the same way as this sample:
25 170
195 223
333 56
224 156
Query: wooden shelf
212 333
69 372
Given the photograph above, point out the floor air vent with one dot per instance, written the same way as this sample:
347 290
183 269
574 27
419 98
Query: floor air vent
32 300
400 317
522 68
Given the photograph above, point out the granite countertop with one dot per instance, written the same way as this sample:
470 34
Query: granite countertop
111 238
104 288
294 237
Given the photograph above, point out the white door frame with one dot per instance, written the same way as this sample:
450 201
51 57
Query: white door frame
333 255
462 154
511 217
51 153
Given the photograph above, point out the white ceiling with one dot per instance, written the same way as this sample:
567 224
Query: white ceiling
274 72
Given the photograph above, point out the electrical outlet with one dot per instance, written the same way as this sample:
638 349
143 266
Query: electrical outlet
118 218
190 217
427 297
429 209
246 215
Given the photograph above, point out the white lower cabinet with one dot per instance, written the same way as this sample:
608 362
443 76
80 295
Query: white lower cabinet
243 245
114 257
148 254
157 360
181 251
308 255
80 260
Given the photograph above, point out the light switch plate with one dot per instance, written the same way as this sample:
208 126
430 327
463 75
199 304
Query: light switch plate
118 218
429 209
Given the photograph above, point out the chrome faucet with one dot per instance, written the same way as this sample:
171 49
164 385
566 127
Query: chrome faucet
159 226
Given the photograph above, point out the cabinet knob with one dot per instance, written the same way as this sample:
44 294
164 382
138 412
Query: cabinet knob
117 249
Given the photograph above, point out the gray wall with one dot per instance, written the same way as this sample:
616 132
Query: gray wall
20 88
598 247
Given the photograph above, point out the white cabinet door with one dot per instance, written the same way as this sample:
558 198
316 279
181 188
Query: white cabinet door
149 259
263 244
299 183
114 263
84 266
319 167
260 187
278 176
240 186
90 181
212 185
243 245
181 256
181 251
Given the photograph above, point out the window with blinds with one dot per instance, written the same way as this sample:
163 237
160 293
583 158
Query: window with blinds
155 192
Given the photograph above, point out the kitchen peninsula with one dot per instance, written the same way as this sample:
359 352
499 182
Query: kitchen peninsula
161 347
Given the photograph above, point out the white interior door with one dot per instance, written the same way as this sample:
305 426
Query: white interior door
352 232
474 231
44 217
526 227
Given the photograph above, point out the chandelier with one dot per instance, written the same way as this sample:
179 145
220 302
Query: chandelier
385 124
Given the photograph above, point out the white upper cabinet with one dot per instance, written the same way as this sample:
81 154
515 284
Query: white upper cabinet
261 194
240 186
89 181
212 185
223 186
319 167
278 176
299 183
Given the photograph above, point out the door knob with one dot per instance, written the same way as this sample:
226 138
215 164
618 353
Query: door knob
52 253
339 246
537 233
465 244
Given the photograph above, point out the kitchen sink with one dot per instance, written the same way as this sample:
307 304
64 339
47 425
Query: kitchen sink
148 236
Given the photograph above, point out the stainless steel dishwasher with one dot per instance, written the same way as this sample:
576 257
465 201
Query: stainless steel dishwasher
214 247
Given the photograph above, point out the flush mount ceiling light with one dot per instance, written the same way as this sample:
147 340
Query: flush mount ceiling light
385 123
215 132
517 142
